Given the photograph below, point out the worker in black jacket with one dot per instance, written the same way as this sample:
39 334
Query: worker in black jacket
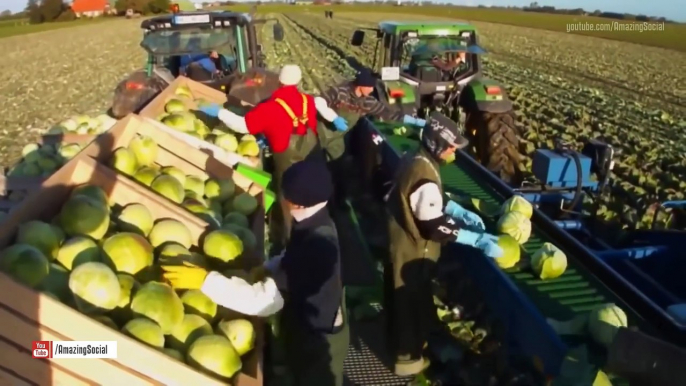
351 101
305 280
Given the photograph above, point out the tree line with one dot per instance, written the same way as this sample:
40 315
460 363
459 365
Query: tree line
144 7
534 7
47 11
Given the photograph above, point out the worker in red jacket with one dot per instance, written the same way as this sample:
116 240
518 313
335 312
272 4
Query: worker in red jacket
288 121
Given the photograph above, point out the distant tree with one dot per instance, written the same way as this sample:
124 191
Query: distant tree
67 15
158 6
52 9
34 12
533 5
139 6
6 13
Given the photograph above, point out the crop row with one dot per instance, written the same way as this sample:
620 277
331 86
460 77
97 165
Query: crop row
321 67
650 166
50 76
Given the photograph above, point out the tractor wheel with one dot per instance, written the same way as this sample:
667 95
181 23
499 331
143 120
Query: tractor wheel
495 141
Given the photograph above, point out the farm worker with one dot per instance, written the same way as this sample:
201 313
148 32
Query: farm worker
418 224
307 275
351 101
288 121
199 66
460 61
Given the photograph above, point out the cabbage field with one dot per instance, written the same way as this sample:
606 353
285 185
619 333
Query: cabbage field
563 85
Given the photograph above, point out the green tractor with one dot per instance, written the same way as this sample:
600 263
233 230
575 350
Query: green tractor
428 66
171 39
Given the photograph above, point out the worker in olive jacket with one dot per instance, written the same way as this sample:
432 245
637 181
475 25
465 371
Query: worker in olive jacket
418 224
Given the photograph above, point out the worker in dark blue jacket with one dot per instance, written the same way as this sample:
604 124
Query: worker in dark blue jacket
304 280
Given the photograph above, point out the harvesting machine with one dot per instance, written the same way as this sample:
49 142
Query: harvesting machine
167 38
417 66
641 273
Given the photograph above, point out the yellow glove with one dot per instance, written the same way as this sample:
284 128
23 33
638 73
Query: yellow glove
186 276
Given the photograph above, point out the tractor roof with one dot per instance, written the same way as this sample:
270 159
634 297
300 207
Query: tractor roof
168 21
426 27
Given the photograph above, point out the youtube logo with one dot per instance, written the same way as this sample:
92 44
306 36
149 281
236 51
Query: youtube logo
41 349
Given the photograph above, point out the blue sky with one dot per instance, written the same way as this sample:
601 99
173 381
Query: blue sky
668 8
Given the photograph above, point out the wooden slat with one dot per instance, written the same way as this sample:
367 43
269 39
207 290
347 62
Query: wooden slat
8 379
38 371
102 371
167 158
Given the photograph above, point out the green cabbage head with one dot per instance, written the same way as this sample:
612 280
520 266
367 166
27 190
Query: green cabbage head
518 204
549 262
604 321
516 225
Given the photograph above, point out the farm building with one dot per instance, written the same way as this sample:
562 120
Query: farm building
92 8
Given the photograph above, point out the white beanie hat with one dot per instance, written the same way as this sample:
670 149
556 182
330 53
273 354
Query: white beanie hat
290 75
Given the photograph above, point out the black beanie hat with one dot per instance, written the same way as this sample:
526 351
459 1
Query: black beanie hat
307 183
365 78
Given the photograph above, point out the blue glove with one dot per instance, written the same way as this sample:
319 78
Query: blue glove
471 219
410 120
261 142
340 124
212 110
487 243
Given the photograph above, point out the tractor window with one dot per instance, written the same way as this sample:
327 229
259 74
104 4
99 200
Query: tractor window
190 41
417 55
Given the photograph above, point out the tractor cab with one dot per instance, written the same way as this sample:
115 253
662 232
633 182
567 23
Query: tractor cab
433 57
427 66
226 39
218 49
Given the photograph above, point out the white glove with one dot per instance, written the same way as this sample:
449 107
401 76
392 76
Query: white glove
259 299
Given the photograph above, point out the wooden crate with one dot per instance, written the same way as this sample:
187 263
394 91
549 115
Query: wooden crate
27 315
25 185
155 107
174 152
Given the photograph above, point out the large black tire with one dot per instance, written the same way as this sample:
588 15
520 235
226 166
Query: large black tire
495 143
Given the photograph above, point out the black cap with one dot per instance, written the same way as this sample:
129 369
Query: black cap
365 78
307 183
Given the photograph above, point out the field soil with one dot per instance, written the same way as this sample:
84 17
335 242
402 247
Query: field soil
563 85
